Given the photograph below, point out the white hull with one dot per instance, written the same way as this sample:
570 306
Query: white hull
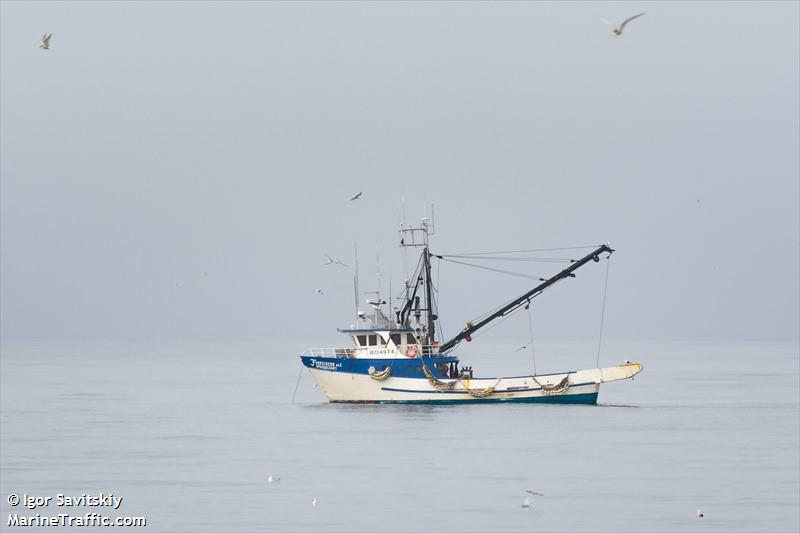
583 387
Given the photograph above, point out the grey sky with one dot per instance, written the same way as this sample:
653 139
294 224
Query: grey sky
179 169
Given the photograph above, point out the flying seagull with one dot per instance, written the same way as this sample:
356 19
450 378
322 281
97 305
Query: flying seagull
699 513
616 32
356 197
273 479
45 41
319 291
527 503
314 502
520 348
332 261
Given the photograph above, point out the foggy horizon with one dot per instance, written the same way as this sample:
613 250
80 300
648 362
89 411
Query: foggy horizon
179 171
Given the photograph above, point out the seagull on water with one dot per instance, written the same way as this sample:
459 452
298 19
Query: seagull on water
527 503
616 32
332 261
273 479
45 41
356 197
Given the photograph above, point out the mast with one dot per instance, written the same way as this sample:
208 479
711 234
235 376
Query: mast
426 258
525 298
355 280
418 237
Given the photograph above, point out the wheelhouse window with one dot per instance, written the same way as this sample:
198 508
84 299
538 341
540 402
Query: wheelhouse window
410 338
396 338
373 340
362 340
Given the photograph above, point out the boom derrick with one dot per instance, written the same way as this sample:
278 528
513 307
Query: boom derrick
525 298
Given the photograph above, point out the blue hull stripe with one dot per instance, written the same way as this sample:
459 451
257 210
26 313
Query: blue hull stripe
401 368
583 399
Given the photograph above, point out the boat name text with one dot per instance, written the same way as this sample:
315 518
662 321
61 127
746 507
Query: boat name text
325 365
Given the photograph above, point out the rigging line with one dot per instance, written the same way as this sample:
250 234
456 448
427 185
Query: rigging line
492 311
534 250
508 313
509 272
530 328
299 376
491 327
414 277
603 312
531 259
438 320
438 276
502 319
484 315
405 256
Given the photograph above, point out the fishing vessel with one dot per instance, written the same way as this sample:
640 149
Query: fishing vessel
398 359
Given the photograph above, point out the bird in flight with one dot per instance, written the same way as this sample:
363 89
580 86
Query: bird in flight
319 291
45 41
527 503
332 261
356 197
699 513
273 479
520 348
314 502
616 32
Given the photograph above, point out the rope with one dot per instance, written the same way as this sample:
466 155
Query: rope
438 276
603 312
555 389
533 250
527 259
438 321
530 328
449 385
383 375
299 375
437 384
499 321
414 276
481 393
489 328
509 272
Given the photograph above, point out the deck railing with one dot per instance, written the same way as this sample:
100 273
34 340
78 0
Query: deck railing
428 350
330 352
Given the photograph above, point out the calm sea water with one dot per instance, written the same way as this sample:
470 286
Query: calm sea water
187 434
